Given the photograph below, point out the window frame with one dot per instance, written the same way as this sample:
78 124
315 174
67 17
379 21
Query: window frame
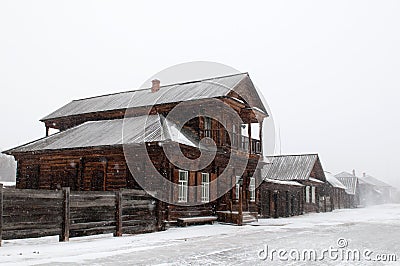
237 188
205 187
183 185
252 189
313 194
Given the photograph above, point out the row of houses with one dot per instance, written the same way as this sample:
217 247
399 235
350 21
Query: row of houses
119 141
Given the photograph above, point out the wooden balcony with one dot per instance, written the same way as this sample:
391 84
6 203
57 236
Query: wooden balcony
237 141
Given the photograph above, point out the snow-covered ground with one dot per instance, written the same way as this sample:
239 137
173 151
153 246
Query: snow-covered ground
375 229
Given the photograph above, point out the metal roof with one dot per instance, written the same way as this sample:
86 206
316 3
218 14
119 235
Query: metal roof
334 181
373 181
349 181
194 90
291 167
139 129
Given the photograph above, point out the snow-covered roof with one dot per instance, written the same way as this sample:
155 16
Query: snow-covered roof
334 181
315 180
349 181
282 182
292 167
193 90
140 129
7 183
373 181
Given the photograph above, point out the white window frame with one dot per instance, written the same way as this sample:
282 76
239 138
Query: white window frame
313 194
205 187
308 194
237 192
252 189
183 186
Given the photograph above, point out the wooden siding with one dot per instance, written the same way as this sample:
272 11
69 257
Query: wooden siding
28 213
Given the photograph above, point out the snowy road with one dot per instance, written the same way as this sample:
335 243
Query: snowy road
375 229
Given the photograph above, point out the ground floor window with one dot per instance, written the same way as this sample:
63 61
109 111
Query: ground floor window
183 186
252 189
313 194
205 187
237 188
308 194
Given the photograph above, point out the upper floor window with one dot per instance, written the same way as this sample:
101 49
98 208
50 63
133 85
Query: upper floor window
207 126
205 187
183 186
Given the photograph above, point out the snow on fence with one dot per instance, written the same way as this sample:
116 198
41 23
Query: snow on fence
27 213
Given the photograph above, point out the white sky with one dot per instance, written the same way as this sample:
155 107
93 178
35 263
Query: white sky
329 70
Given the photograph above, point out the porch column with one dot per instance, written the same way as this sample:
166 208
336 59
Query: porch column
260 136
249 133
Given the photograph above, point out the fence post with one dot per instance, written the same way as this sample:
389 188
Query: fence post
118 213
1 212
65 214
160 216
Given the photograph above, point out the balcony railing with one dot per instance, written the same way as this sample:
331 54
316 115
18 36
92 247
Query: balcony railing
221 138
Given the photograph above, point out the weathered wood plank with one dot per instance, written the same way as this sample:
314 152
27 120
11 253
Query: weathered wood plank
89 225
1 213
31 226
118 213
65 227
29 233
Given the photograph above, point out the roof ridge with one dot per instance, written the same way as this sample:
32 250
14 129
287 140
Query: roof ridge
167 85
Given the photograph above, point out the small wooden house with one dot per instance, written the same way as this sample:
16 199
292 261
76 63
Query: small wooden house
350 181
307 170
280 198
374 191
337 191
90 151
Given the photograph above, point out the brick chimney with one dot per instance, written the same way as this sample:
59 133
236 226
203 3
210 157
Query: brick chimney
155 85
354 172
364 174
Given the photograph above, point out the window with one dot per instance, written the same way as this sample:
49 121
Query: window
183 186
313 194
207 127
252 189
205 187
234 135
237 188
308 194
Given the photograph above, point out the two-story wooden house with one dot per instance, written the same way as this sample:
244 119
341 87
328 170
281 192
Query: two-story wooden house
103 144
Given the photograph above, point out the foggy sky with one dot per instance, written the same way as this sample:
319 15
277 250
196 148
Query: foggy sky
328 70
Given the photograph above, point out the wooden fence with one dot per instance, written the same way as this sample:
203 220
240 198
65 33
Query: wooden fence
26 213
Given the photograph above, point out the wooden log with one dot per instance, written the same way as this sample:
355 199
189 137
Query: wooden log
64 236
30 225
1 212
118 213
90 225
29 233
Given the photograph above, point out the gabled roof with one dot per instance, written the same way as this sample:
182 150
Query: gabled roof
291 167
334 181
373 181
193 90
349 180
141 129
